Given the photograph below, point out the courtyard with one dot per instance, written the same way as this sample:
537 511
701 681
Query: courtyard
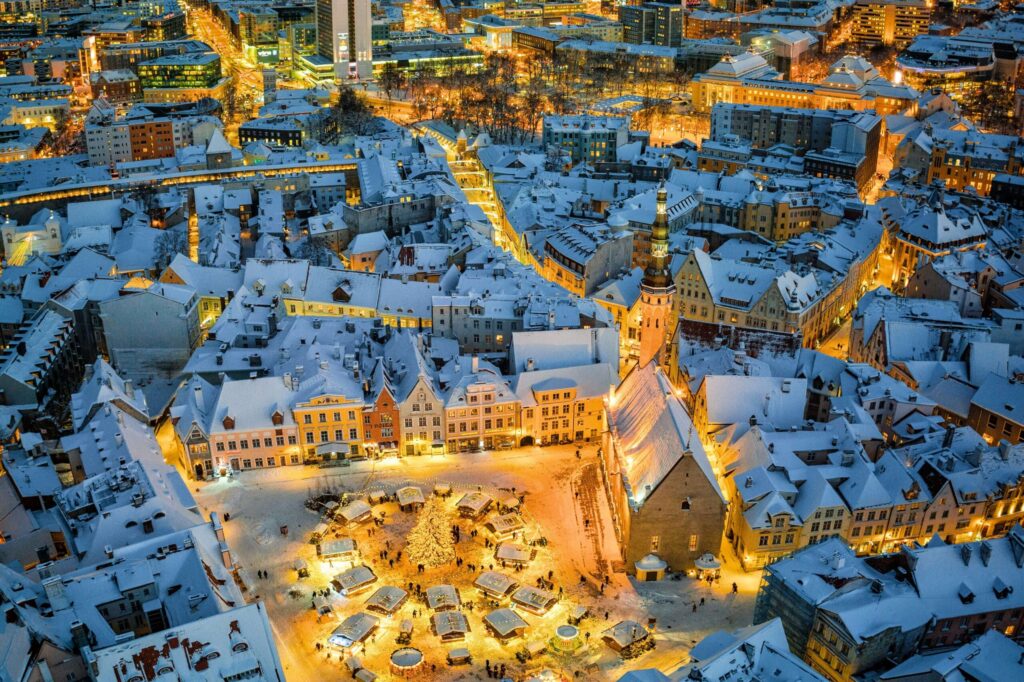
566 538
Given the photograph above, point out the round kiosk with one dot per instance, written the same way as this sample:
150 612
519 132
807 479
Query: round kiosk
650 568
406 662
566 639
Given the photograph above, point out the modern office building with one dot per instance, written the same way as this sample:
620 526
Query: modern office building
183 78
653 23
890 22
344 36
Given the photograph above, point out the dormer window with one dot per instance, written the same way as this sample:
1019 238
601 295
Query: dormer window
229 422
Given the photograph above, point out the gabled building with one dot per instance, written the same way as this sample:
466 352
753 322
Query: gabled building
104 386
665 498
848 616
750 654
921 233
421 402
482 412
565 404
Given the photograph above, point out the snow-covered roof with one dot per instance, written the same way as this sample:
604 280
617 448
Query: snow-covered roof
386 598
653 432
626 632
733 399
505 622
495 583
449 623
106 386
238 644
563 348
353 630
443 597
751 654
992 657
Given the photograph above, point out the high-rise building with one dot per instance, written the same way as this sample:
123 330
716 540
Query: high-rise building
890 22
343 36
657 287
653 23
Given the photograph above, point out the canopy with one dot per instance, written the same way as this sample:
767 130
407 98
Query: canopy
707 562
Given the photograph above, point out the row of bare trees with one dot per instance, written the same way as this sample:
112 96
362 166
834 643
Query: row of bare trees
509 95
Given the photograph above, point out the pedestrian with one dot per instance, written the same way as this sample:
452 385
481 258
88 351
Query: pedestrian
391 563
735 588
399 555
606 615
695 607
586 523
602 588
702 601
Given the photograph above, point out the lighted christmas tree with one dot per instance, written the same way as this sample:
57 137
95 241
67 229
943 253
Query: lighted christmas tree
430 542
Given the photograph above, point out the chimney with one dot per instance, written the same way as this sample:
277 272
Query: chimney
476 364
79 635
129 389
197 391
530 364
218 529
226 558
947 439
1004 449
54 588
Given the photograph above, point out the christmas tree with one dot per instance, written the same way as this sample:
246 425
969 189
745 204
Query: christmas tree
430 541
